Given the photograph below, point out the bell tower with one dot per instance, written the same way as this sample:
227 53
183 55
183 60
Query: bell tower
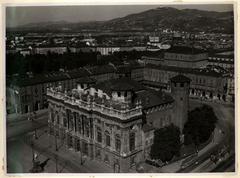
180 91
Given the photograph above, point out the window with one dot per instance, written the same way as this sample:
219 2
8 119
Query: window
119 94
87 128
182 85
68 117
125 94
107 136
83 124
98 121
99 135
58 119
75 120
70 141
52 117
65 122
79 125
71 122
132 141
118 143
77 145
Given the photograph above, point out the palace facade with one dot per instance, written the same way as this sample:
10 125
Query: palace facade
113 122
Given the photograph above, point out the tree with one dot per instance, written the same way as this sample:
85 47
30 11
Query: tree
200 125
166 143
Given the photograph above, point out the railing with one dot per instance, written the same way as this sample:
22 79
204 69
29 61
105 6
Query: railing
122 114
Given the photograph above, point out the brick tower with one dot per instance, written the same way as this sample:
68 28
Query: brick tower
180 92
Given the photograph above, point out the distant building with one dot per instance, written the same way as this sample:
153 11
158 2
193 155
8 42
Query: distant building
205 83
26 94
26 52
188 57
180 56
49 49
106 50
113 122
225 61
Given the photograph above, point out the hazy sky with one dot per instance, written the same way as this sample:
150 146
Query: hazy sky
22 15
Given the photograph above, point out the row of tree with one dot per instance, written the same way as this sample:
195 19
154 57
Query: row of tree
39 63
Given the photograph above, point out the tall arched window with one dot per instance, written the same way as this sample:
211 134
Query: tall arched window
52 116
117 143
99 135
107 138
87 125
58 119
132 141
65 122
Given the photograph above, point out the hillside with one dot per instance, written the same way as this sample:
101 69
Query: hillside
151 20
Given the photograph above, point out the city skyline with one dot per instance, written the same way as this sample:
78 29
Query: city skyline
22 15
150 91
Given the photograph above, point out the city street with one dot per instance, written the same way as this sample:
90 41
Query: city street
24 126
20 155
18 159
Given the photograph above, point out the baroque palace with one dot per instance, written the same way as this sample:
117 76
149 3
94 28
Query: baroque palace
114 121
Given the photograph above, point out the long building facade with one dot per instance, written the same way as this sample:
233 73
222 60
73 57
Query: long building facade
113 122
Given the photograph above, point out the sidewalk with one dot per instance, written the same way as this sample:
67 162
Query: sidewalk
45 145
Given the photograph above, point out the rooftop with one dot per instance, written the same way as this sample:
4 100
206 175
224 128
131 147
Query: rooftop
86 80
184 50
180 78
25 80
151 98
95 70
122 84
206 72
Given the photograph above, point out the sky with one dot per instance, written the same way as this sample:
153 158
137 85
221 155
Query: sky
20 15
